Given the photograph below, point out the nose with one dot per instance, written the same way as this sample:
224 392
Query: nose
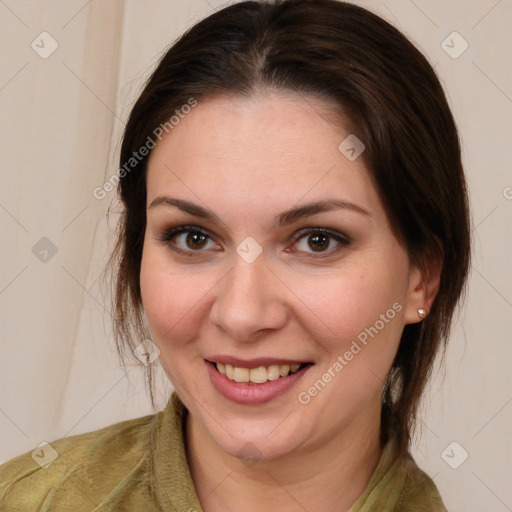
250 300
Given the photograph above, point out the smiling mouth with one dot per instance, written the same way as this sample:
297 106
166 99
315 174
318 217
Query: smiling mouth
258 375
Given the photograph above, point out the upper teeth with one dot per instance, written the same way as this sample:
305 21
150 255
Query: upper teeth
257 375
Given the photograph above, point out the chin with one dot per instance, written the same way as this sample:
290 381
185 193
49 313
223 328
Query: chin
261 437
257 446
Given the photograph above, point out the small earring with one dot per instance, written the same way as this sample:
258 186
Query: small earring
421 313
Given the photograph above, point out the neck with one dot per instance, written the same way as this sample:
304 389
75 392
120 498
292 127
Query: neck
329 477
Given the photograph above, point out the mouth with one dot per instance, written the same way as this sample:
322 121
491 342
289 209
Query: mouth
255 381
258 374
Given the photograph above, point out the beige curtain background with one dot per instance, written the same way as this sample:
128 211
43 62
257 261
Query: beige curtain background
70 72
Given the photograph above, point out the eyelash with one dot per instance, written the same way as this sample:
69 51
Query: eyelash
168 235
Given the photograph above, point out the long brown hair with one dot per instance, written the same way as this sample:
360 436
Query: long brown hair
395 104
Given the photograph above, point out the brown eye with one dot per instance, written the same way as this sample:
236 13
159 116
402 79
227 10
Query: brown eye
196 240
318 242
188 239
322 241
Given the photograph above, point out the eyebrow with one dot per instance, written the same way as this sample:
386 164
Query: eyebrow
283 219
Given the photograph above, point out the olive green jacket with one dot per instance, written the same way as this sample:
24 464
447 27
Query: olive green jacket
140 465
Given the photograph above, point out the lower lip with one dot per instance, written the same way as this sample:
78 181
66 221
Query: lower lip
250 393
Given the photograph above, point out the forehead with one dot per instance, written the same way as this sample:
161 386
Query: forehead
277 147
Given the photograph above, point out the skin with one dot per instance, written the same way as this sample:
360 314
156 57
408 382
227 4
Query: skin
248 160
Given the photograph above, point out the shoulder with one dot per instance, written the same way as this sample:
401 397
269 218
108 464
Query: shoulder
74 473
419 493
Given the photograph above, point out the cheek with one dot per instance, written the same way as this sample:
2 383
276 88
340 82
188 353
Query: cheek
171 300
358 316
343 305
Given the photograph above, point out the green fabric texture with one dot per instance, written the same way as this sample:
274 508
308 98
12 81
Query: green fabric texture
140 465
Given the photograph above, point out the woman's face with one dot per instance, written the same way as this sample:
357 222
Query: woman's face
283 257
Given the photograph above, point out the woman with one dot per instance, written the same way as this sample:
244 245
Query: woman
296 237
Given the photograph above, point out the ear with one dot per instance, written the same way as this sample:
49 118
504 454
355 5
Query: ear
424 284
